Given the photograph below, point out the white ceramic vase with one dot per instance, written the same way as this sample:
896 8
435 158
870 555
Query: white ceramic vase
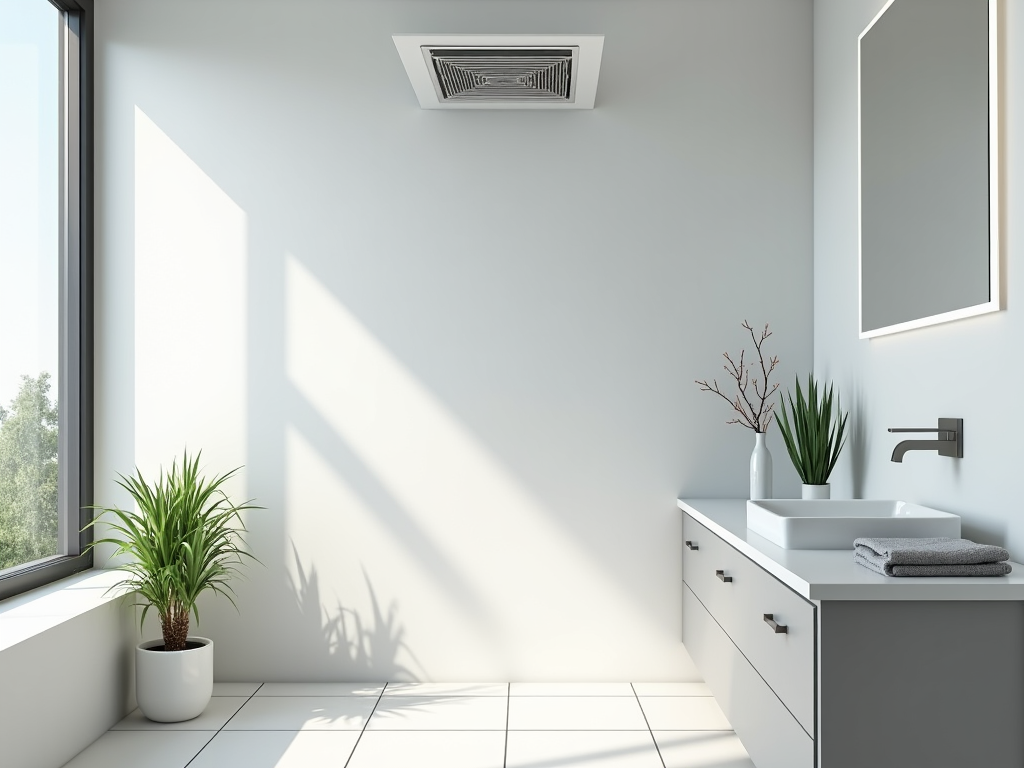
172 686
760 469
815 491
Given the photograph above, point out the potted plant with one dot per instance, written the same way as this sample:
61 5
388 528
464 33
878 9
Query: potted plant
183 538
815 436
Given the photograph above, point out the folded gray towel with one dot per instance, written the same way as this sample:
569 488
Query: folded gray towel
971 569
930 557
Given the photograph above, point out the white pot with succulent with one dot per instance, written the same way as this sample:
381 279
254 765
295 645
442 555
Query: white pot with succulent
183 539
752 406
815 436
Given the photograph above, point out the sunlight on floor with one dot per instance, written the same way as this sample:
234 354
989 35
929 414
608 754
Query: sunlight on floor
433 725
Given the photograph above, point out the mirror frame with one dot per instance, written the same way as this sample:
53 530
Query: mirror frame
995 302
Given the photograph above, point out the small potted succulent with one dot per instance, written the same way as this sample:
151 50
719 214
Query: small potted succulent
815 436
183 538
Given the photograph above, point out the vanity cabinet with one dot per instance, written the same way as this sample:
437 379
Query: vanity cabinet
819 662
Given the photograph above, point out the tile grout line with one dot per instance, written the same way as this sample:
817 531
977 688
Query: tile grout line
363 729
647 723
508 708
217 732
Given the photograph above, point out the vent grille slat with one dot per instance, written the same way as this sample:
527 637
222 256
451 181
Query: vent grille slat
503 73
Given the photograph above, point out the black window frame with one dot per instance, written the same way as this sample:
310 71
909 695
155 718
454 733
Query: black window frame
74 387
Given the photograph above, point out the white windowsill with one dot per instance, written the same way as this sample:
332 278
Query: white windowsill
24 616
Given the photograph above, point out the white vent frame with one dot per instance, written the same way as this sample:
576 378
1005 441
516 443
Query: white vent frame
410 49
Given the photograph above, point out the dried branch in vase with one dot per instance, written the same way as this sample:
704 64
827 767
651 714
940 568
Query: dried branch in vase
753 410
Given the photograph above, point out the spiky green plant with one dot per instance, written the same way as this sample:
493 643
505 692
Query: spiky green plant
183 538
815 437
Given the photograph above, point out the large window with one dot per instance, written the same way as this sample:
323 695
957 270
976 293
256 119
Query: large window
45 236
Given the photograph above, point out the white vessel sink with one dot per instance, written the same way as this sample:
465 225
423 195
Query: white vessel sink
828 524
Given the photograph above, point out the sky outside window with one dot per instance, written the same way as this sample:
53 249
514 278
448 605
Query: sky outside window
29 188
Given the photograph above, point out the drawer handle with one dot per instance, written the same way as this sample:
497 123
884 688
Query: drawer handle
721 575
691 546
778 629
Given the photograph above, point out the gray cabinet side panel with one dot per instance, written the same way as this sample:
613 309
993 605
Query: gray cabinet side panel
937 684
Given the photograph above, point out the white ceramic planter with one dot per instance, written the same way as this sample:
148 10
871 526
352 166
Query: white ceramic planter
815 491
172 686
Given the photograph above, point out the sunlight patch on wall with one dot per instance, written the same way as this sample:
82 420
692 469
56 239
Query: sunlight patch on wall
438 497
190 309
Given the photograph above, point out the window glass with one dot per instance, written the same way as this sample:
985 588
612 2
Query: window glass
30 232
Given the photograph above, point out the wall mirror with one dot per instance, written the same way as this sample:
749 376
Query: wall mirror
929 205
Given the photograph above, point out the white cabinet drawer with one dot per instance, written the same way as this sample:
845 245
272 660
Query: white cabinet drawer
784 659
770 734
709 568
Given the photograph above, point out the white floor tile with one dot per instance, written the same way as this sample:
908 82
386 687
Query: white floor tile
581 749
671 689
433 725
429 749
439 713
277 749
446 689
571 689
141 749
303 713
684 713
575 713
695 749
217 712
320 689
235 689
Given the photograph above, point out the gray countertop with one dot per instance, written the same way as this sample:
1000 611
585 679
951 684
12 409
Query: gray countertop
831 574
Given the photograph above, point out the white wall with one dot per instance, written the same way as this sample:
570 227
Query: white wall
454 350
969 368
62 688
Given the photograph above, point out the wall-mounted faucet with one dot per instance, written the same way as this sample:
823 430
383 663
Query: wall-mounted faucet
949 442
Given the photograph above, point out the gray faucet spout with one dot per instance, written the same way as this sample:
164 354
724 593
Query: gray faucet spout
916 445
949 442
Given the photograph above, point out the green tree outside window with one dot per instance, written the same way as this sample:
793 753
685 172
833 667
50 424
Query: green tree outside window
28 474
